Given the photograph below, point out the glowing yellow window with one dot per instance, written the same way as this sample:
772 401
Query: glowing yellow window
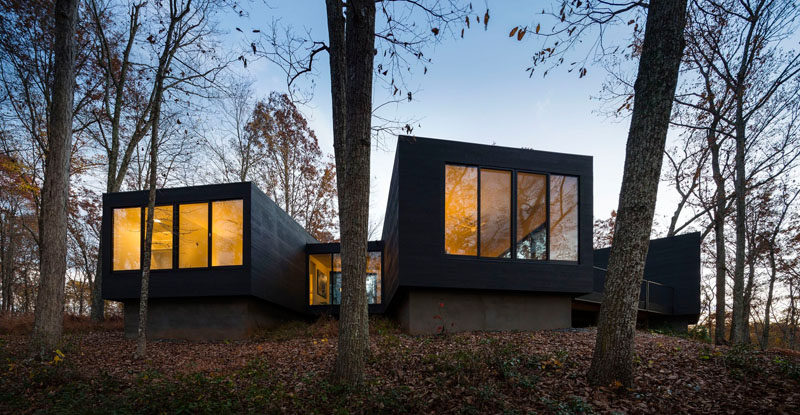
161 255
127 229
461 210
193 235
227 224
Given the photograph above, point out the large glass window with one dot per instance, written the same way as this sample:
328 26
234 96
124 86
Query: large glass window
161 248
495 213
325 278
127 238
563 218
531 216
193 235
544 206
461 210
226 232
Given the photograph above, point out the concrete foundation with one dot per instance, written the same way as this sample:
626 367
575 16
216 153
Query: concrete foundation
427 311
199 319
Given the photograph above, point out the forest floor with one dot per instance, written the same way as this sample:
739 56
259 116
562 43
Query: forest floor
285 371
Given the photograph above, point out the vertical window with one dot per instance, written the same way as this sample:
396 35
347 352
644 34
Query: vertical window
461 210
227 224
531 216
563 218
193 235
127 230
319 271
373 277
161 248
495 213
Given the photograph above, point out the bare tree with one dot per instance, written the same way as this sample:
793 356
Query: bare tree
184 27
50 299
352 51
662 51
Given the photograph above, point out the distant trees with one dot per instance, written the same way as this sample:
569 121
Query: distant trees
737 113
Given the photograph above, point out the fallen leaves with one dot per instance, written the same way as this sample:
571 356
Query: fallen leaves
542 371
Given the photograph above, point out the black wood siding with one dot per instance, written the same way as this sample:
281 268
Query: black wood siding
391 238
205 282
416 234
674 262
278 249
273 259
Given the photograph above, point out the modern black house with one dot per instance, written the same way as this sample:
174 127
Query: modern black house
475 237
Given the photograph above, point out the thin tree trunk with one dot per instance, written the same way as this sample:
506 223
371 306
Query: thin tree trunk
737 322
351 50
719 239
141 335
657 78
773 273
55 191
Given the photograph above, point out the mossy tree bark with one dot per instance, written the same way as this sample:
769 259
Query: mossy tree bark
662 51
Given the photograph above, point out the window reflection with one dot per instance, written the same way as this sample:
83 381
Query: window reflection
127 237
495 213
461 210
161 248
531 216
563 218
226 233
193 235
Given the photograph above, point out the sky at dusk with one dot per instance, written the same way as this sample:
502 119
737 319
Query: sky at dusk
475 90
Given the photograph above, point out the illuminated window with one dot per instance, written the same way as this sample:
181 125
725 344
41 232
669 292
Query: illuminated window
461 210
563 218
495 213
127 237
325 278
193 235
226 233
546 224
319 271
531 216
161 248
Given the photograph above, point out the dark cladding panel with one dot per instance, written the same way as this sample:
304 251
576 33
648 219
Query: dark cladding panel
391 238
420 168
674 262
278 251
166 283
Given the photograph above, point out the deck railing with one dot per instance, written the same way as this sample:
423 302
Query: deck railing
653 296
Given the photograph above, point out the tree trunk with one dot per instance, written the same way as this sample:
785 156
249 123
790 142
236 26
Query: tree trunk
351 50
657 78
141 335
8 258
737 322
719 238
773 273
55 191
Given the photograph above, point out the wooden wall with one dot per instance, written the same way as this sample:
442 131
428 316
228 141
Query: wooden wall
416 235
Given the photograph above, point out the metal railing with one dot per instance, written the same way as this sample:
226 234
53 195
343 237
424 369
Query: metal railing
653 296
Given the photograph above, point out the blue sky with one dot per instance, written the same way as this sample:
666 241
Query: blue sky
476 90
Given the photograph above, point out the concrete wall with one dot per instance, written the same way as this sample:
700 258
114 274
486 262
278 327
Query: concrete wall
219 318
464 310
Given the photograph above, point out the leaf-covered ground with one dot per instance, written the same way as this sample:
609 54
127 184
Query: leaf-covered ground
285 372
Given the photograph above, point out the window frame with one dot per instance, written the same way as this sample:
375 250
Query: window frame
331 253
176 240
514 172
